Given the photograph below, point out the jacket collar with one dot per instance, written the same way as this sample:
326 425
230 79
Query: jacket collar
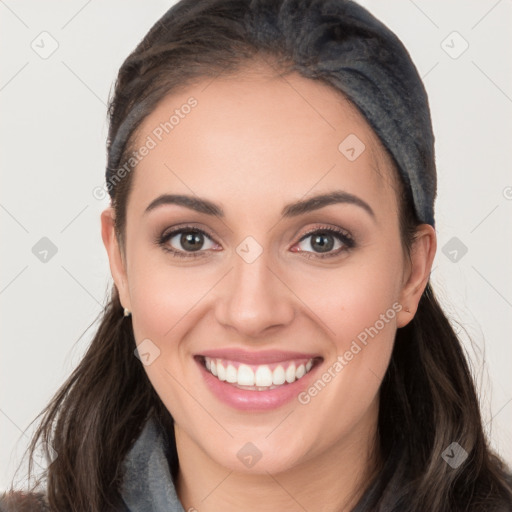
147 483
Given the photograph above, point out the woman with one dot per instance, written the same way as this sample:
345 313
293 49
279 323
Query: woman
272 341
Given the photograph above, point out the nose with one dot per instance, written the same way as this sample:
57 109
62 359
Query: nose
255 298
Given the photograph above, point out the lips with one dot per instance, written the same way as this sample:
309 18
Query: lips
262 370
257 381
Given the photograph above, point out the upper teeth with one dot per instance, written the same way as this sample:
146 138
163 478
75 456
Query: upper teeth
257 375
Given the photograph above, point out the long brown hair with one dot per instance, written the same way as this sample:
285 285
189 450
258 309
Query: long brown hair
427 398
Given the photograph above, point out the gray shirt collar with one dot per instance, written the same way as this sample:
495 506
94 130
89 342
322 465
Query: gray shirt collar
147 484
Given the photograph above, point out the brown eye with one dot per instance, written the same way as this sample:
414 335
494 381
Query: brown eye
322 242
185 242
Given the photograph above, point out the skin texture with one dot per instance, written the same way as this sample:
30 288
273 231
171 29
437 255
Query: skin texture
254 143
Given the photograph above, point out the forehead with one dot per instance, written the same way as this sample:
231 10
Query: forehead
253 138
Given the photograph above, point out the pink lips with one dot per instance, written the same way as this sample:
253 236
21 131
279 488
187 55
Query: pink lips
254 400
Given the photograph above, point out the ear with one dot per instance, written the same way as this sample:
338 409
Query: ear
115 256
417 272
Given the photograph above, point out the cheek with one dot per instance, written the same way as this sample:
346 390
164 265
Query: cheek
163 299
352 297
357 306
161 294
167 302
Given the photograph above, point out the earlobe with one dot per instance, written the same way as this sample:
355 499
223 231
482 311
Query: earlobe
422 256
115 257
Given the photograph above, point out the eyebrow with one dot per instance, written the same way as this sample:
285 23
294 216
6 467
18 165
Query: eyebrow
290 210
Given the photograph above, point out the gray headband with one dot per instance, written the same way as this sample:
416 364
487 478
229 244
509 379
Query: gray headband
375 71
343 44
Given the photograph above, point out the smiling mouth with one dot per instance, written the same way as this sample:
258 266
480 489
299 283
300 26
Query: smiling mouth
258 377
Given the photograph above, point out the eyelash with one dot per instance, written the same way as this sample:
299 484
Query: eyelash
341 235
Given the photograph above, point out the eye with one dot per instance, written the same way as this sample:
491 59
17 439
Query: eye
323 239
190 238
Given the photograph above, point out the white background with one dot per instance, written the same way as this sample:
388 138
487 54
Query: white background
52 155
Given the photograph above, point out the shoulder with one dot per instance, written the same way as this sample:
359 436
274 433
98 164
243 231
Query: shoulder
19 501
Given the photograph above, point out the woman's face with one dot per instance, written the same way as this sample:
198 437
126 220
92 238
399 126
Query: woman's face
256 281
